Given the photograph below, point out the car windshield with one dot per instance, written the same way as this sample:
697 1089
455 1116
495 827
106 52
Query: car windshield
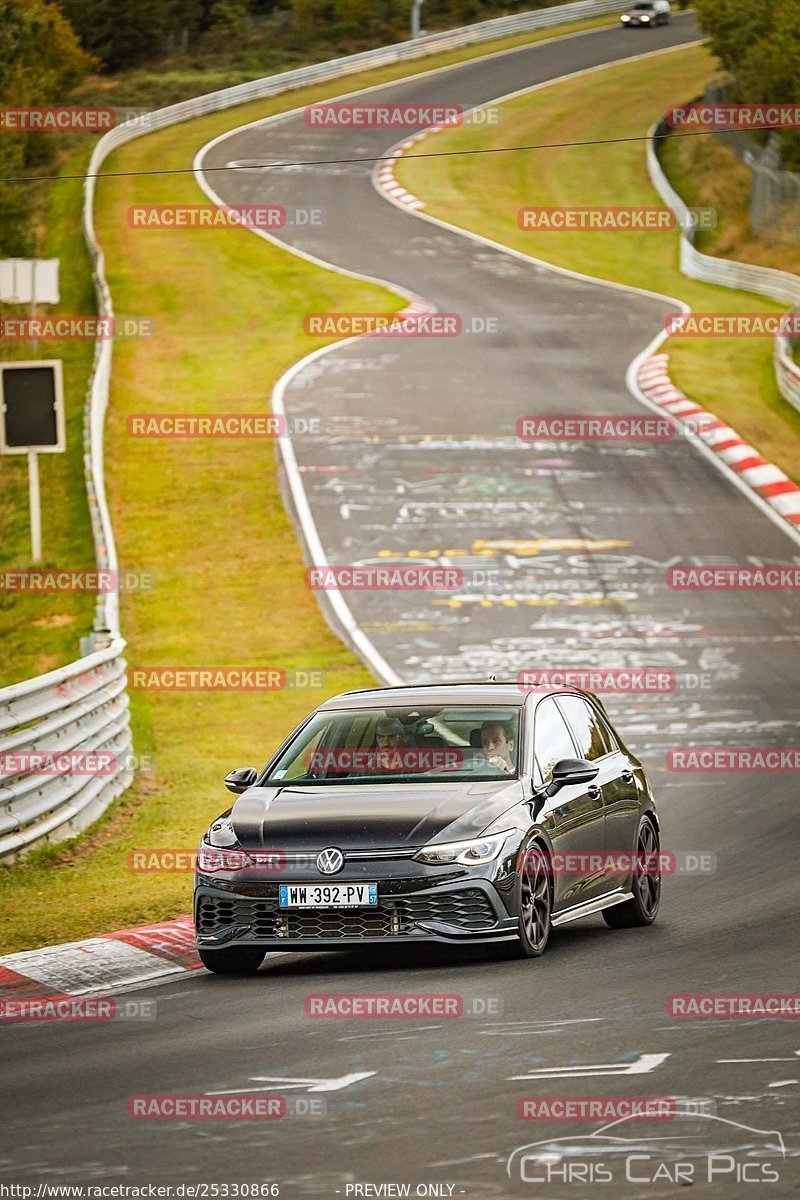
402 745
642 8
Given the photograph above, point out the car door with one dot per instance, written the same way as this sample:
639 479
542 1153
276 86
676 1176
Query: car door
615 778
573 817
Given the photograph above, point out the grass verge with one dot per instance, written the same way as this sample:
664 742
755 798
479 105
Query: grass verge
205 517
39 632
733 377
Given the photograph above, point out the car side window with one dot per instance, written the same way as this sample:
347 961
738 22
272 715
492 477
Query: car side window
551 738
590 732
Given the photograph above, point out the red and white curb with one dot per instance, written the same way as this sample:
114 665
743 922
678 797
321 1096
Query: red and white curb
417 308
767 480
98 965
385 175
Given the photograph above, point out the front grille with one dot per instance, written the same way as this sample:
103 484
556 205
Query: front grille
216 912
467 909
333 923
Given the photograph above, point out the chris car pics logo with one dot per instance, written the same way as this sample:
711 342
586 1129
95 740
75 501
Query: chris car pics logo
698 1149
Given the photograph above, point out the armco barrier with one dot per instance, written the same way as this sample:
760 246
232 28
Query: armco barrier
787 371
84 705
79 708
746 277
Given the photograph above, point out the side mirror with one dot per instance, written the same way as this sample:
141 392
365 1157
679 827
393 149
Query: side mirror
571 770
241 779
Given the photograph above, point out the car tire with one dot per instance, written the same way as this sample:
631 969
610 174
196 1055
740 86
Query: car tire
238 960
642 908
533 894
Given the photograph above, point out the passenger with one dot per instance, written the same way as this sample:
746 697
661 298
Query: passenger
498 747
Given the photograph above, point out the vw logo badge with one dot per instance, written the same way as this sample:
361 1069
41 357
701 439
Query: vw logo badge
330 861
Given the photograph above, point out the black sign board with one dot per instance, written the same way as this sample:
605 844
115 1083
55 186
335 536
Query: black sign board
32 407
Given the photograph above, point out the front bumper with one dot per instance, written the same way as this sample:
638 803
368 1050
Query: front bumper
409 910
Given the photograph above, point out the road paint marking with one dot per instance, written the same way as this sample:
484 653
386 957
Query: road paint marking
759 1060
398 1034
283 1084
502 1028
643 1065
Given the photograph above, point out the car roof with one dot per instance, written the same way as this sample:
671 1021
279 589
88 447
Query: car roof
494 694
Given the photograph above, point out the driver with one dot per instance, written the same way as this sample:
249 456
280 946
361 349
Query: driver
391 739
498 746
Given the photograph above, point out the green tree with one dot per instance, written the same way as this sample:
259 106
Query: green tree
230 19
124 34
40 60
758 44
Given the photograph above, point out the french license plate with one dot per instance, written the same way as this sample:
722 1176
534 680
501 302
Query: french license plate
328 895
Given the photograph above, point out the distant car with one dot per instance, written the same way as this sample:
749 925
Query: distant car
647 13
456 813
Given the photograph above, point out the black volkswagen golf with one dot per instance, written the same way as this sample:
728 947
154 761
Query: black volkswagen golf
459 813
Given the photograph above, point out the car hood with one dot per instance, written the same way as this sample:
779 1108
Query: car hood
368 817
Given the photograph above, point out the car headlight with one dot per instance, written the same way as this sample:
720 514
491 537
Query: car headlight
624 17
473 853
645 18
221 835
220 849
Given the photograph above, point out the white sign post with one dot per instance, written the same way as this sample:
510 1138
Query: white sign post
35 506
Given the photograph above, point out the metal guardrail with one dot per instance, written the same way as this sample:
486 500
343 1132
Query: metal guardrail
787 371
84 706
78 709
727 272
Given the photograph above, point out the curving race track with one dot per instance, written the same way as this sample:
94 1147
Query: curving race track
419 454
